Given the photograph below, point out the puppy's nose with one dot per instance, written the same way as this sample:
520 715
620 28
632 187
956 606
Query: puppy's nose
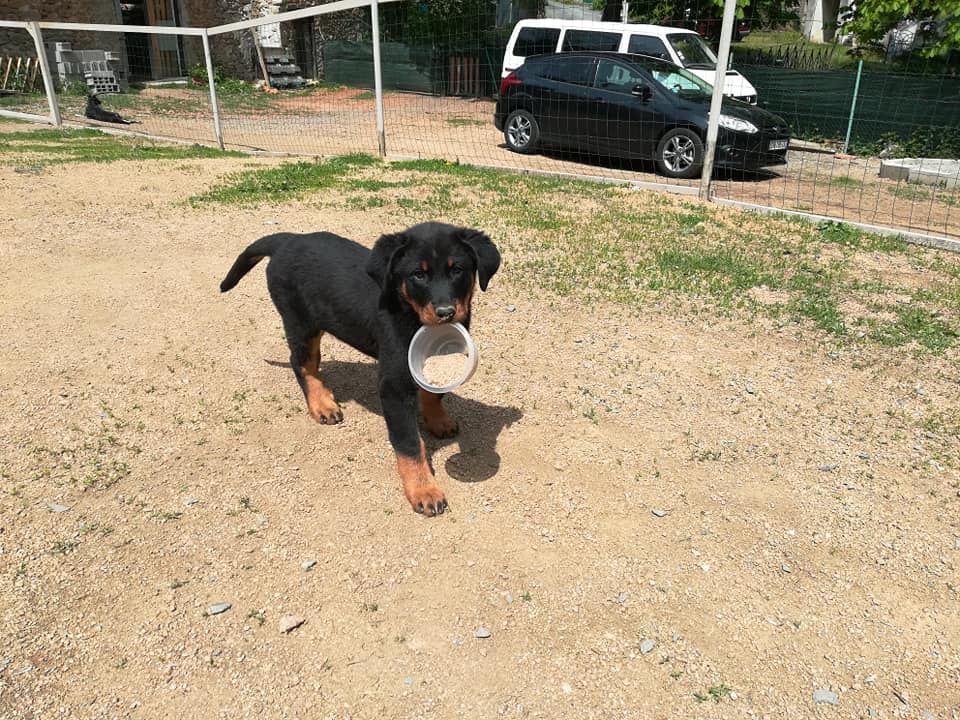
445 312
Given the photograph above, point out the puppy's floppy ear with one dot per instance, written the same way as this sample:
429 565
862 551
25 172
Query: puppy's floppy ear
385 252
485 253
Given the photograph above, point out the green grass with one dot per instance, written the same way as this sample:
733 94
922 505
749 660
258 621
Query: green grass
604 242
844 181
289 181
52 146
464 122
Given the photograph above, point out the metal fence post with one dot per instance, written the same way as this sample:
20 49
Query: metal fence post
378 77
34 29
217 128
713 124
853 106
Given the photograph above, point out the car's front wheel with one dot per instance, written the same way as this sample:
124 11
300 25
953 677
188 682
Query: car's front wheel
521 131
680 153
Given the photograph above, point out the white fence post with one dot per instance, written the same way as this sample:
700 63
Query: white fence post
217 128
713 124
34 29
378 77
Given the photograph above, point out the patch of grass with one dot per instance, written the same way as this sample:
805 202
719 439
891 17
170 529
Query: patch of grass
846 182
64 547
915 324
259 615
177 584
284 182
50 147
166 515
463 122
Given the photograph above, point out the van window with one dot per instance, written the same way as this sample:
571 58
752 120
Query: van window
692 51
575 70
646 45
591 40
536 41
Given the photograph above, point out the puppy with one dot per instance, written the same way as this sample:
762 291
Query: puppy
95 111
375 301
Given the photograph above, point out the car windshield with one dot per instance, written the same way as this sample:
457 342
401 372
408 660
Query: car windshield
693 51
680 82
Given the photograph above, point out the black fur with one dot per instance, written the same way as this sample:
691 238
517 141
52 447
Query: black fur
373 300
95 111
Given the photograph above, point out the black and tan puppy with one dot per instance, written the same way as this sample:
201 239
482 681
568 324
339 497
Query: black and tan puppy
375 301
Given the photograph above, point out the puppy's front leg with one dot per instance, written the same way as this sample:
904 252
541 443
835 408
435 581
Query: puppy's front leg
419 485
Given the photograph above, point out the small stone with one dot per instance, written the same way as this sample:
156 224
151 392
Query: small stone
54 507
23 671
870 679
828 467
929 715
660 513
750 389
511 308
308 565
902 697
4 664
647 646
482 633
872 713
408 681
190 502
621 598
827 697
863 456
566 688
290 622
785 567
218 608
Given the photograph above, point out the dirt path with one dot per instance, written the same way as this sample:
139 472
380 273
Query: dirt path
808 537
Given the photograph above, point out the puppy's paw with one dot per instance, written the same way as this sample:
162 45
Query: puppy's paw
441 426
327 413
427 499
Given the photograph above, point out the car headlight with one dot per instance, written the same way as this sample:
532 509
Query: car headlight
736 124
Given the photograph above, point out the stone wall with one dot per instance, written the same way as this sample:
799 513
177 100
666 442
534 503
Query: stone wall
18 43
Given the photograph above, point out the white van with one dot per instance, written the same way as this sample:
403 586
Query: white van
677 45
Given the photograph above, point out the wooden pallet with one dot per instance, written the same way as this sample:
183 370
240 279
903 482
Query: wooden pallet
19 74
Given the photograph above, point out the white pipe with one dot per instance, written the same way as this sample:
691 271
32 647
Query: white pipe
217 128
378 77
48 86
293 15
713 125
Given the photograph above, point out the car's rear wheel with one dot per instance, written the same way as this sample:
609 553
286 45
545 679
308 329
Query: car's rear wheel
680 153
521 131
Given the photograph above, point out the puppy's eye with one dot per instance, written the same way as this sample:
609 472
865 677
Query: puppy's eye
456 271
419 275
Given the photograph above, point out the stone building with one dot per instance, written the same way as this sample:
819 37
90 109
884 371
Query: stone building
155 57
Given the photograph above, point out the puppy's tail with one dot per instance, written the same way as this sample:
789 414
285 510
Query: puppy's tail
264 247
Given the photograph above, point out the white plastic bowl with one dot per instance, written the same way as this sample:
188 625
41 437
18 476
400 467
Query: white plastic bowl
431 340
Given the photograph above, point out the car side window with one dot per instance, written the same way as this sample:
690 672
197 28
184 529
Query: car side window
591 40
536 41
618 78
646 45
574 70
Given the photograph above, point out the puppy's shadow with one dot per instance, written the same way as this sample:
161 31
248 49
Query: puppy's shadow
480 424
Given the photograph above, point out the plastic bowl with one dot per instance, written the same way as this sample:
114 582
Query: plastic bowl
433 340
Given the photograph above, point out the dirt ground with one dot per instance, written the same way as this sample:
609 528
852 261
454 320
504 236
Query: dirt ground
343 121
666 516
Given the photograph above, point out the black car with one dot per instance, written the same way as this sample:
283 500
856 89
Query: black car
631 106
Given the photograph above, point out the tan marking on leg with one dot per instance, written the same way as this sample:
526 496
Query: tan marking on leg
321 403
435 415
419 485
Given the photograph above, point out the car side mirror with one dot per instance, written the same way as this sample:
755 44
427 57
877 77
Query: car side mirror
641 91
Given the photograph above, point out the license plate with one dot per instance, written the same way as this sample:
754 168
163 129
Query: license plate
779 144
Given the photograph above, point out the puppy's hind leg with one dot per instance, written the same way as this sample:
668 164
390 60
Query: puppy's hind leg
305 360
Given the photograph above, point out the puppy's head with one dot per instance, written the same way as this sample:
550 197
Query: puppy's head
431 269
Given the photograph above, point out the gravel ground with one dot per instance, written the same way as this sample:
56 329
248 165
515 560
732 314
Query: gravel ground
668 516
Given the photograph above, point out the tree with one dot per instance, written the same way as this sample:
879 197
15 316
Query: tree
939 21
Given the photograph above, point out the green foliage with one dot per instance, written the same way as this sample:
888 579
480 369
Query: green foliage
938 142
876 17
198 74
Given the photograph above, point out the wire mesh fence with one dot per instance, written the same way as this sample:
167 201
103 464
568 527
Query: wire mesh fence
559 86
